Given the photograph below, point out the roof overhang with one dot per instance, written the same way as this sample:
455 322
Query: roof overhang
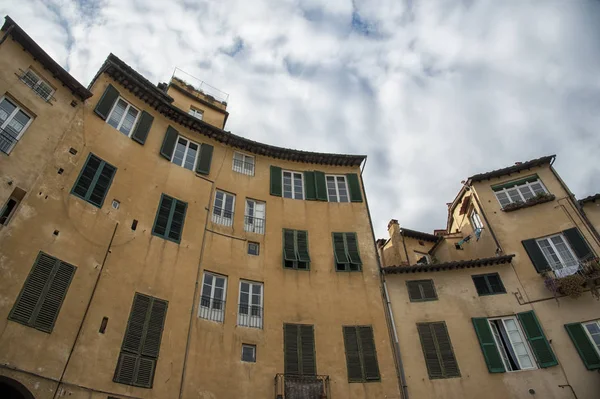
459 264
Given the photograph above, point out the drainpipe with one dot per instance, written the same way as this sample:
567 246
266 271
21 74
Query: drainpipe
388 305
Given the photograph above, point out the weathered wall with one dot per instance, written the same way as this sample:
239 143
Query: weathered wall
184 102
592 210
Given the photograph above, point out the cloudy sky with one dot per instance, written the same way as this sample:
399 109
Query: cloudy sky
432 91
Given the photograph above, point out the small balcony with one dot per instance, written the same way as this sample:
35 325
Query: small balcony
302 386
250 315
572 281
212 309
222 216
246 168
254 225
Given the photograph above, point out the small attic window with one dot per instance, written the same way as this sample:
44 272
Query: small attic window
196 113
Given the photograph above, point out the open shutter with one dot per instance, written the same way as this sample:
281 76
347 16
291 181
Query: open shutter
354 187
446 352
290 349
289 247
352 246
155 325
432 361
103 181
204 159
310 192
320 186
54 297
488 345
578 244
355 372
584 346
302 246
537 340
307 350
140 133
177 218
162 215
106 102
369 353
168 145
339 249
275 181
535 254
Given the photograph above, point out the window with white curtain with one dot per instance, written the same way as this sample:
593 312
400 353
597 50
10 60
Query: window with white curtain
559 255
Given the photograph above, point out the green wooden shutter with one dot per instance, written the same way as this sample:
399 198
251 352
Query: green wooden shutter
177 219
445 351
584 346
339 249
168 145
289 247
140 133
310 191
488 345
205 159
320 186
535 254
106 102
291 349
154 329
86 176
134 335
54 297
276 181
145 372
125 371
354 187
369 353
302 246
163 214
537 340
428 289
577 243
307 350
352 247
414 292
432 360
103 181
353 363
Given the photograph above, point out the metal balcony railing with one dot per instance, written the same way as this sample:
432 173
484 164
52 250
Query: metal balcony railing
302 386
212 309
250 315
254 224
222 216
244 167
8 139
585 267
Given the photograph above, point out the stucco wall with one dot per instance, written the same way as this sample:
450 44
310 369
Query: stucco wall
185 102
592 210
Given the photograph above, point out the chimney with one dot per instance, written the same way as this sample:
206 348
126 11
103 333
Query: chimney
393 227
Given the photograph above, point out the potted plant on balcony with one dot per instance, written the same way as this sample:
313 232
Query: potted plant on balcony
540 198
574 285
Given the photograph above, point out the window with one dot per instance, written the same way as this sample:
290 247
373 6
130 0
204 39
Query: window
254 218
185 154
421 290
223 208
519 191
293 185
123 116
9 208
345 251
559 255
253 248
251 304
43 293
243 163
593 330
248 353
586 338
337 189
361 356
511 344
13 123
37 84
299 349
437 350
141 342
212 301
94 180
476 220
196 113
488 284
169 218
295 249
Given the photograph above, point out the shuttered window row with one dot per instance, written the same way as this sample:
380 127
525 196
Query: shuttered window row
345 250
94 180
169 218
141 343
43 293
295 249
299 349
437 349
361 355
421 290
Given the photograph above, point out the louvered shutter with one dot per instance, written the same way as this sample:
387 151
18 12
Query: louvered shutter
307 343
535 254
369 353
155 325
289 248
578 244
302 246
354 187
432 361
584 346
537 340
352 247
140 133
310 192
54 296
145 372
86 177
488 345
291 349
168 145
339 249
445 351
134 335
320 186
176 226
106 102
353 363
32 290
103 181
125 371
428 289
162 215
414 292
275 181
204 159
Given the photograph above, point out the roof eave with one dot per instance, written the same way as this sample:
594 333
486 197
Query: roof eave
463 264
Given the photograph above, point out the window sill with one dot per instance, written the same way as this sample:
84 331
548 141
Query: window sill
531 202
423 300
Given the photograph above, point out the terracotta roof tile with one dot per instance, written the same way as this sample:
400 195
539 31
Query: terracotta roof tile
459 264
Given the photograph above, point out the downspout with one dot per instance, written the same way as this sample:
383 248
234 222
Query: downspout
388 305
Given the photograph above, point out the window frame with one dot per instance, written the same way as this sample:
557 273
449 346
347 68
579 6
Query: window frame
337 188
211 309
251 346
257 248
487 283
295 262
94 181
500 348
10 117
258 320
243 170
293 192
170 219
254 227
556 252
590 336
347 266
528 184
421 290
195 111
37 84
129 105
185 153
217 218
11 213
475 219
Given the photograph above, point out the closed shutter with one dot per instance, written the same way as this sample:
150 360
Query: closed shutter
320 186
352 246
275 181
106 102
177 218
140 133
307 342
162 215
414 291
103 181
310 192
289 247
354 187
205 159
125 371
537 340
488 345
291 349
445 350
154 330
145 372
302 246
432 360
86 176
428 289
168 145
353 363
584 346
421 290
132 342
536 255
94 181
339 249
578 244
55 295
369 353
